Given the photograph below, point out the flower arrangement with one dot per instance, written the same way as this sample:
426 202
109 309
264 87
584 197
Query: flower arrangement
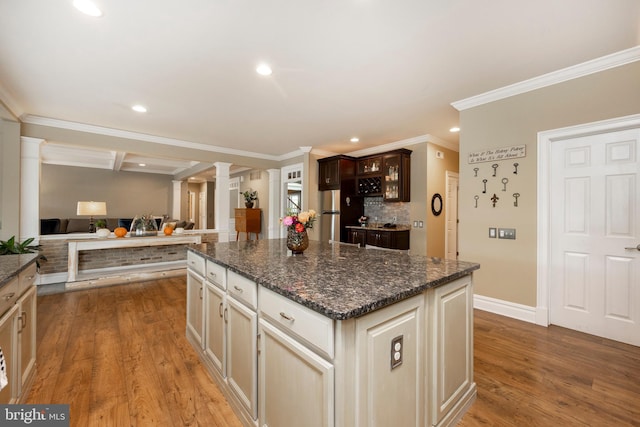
249 196
299 222
144 225
363 220
297 226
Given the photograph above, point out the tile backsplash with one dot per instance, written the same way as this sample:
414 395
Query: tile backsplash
375 207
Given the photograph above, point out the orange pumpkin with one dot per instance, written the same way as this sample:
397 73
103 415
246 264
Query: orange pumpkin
120 232
168 231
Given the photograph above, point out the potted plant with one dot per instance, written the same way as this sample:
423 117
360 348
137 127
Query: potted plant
101 228
144 225
249 197
11 247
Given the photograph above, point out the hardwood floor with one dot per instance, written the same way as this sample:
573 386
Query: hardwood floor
528 375
119 357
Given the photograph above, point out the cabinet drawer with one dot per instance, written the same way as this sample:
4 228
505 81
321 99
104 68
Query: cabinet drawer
217 274
195 262
242 289
9 295
312 327
27 278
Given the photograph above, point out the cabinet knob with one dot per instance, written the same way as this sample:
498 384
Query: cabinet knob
9 296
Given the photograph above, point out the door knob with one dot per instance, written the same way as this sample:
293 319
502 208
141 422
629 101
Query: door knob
637 248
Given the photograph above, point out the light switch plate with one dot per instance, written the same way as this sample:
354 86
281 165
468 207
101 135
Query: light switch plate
492 232
507 233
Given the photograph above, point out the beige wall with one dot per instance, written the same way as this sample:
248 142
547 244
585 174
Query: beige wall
436 183
508 267
127 194
9 179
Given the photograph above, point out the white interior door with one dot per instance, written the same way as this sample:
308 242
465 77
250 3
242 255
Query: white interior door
595 216
451 212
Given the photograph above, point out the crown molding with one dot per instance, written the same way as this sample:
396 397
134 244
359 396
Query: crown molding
593 66
118 133
10 104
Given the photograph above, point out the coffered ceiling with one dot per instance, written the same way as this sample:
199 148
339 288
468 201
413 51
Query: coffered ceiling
382 71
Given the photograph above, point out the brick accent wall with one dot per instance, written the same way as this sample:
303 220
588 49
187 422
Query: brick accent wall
56 250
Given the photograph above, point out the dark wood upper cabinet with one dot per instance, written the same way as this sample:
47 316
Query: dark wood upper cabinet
387 175
333 171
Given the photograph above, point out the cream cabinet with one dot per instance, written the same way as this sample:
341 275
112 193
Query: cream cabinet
390 347
450 351
296 385
242 331
27 306
9 345
215 330
18 307
195 308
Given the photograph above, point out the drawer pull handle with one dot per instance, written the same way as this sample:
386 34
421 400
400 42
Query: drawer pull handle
238 289
9 296
212 274
287 317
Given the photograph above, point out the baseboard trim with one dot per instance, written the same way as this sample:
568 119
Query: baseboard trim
505 308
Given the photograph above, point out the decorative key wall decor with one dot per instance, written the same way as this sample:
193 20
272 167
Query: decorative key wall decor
494 177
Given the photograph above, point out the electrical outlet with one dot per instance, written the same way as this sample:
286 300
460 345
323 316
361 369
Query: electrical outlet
492 232
415 224
420 224
397 349
395 219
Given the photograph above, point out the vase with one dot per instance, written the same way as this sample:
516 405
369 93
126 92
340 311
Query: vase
249 205
297 242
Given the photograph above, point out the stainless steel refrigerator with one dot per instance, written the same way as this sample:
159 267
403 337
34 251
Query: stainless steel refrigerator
336 212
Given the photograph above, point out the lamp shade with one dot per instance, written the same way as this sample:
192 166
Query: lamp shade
92 208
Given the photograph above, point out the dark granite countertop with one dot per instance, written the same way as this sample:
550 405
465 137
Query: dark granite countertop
338 281
11 265
379 226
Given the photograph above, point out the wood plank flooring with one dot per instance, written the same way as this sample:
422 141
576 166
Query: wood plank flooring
119 357
529 375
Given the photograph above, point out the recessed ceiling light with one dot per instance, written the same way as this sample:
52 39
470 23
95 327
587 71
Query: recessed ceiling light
355 139
142 164
264 70
139 108
454 129
87 7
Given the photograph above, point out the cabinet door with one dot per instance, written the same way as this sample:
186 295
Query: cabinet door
215 330
358 236
329 175
452 347
9 345
296 385
242 354
195 306
27 335
389 376
396 179
379 238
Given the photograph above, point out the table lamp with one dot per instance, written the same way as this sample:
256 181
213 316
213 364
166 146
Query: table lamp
91 209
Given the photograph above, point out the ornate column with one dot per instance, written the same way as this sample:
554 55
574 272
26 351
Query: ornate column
275 202
30 188
222 204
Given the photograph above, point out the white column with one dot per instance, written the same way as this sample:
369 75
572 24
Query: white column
221 199
177 198
275 203
306 150
30 188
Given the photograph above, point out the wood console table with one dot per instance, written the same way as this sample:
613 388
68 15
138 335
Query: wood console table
77 279
248 221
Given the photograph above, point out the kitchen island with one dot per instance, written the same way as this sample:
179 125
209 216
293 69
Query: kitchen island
340 335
